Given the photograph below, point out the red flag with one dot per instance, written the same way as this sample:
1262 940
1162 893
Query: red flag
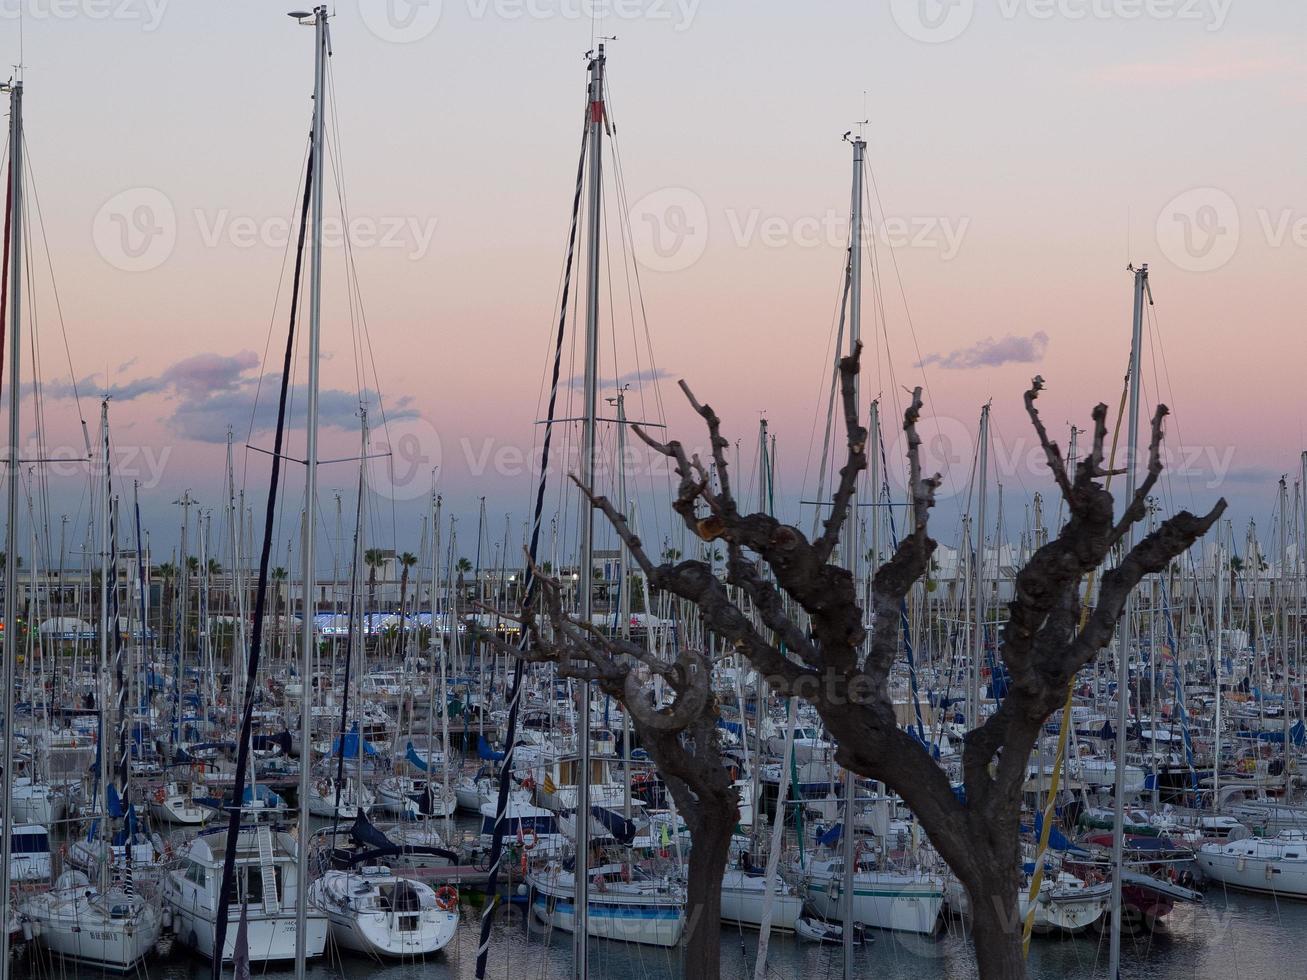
240 957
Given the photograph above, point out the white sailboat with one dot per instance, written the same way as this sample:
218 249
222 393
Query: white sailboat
112 930
109 924
175 802
904 901
374 911
354 796
1277 865
744 895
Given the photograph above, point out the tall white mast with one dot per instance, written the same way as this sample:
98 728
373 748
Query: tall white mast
594 227
320 44
11 526
978 575
1282 621
1220 623
851 552
101 805
1123 646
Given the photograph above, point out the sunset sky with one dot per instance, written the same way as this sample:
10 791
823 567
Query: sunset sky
1024 152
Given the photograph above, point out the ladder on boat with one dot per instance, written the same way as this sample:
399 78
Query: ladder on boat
268 871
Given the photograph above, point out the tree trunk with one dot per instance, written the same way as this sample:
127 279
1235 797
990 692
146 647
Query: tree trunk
710 831
996 925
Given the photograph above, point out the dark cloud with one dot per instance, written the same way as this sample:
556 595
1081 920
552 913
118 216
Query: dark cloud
212 393
206 419
187 378
992 353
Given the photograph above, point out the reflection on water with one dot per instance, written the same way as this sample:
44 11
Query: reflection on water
1230 936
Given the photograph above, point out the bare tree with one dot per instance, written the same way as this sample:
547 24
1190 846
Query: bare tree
681 739
825 657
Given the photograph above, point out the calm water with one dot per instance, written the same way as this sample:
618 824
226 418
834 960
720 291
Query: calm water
1230 937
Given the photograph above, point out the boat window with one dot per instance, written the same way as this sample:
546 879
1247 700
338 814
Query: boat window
195 873
30 844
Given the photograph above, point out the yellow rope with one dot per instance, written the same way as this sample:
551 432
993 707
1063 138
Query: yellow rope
1037 878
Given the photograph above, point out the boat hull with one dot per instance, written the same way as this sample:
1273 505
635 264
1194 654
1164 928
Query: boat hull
271 937
883 900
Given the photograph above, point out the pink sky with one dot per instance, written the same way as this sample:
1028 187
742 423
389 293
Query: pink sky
1029 159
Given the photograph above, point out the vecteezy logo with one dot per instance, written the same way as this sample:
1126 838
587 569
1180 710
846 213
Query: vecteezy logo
669 229
400 21
412 451
136 229
933 21
1199 229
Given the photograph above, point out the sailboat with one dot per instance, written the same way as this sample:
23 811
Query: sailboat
112 929
906 900
372 910
744 895
353 797
177 802
108 924
1275 865
626 902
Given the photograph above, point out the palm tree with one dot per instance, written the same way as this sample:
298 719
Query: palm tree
374 558
406 561
462 566
167 572
278 601
1236 567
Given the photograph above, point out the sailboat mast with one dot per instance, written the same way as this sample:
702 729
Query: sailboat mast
853 525
978 573
15 223
102 803
581 939
624 592
1282 620
1123 658
320 45
1220 628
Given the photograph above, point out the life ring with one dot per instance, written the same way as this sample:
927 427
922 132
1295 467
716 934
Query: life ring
529 838
446 898
626 872
524 864
160 795
598 882
529 783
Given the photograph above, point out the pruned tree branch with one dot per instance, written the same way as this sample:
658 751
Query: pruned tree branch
1052 454
854 464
